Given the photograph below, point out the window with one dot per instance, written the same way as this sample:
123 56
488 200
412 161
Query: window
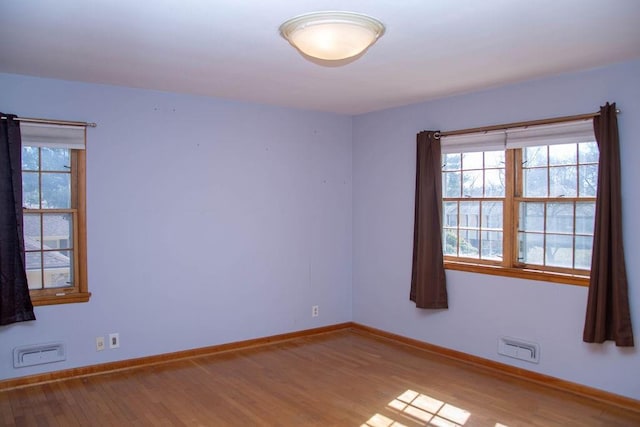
473 193
526 209
54 217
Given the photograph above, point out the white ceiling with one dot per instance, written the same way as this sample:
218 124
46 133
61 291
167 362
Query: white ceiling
232 49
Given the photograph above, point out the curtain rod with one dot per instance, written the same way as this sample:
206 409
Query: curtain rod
53 122
523 124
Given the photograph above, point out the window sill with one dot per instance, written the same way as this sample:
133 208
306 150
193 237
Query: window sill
544 276
60 299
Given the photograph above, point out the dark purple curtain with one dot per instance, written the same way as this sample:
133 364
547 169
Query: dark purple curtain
15 303
428 281
608 316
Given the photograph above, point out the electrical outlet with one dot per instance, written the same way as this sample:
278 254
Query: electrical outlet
99 343
114 340
315 311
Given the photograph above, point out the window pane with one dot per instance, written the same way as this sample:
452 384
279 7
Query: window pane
535 182
559 251
30 190
531 248
554 229
494 159
450 239
588 180
469 243
57 269
58 231
55 159
563 181
492 215
472 161
534 156
472 183
494 183
588 152
585 217
450 214
492 245
560 218
50 186
532 217
30 158
451 184
56 191
31 229
584 247
34 272
470 214
563 154
452 161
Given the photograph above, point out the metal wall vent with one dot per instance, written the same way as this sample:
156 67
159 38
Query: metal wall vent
38 354
519 349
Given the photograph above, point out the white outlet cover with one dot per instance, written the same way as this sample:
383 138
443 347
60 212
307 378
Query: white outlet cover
114 340
99 343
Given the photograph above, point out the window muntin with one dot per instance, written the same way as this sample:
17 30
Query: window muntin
49 219
53 218
557 206
50 259
537 214
473 195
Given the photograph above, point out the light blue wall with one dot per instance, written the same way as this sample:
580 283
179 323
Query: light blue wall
483 307
214 221
209 221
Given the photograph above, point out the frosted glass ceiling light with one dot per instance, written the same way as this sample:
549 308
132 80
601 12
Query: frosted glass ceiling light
332 36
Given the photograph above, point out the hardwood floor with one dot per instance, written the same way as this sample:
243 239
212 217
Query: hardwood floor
342 378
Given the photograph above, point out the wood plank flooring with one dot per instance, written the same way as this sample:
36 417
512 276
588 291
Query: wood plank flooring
342 378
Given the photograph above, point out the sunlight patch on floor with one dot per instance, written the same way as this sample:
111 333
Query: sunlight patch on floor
422 409
379 420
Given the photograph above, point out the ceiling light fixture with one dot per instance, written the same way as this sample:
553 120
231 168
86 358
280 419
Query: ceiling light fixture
332 36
